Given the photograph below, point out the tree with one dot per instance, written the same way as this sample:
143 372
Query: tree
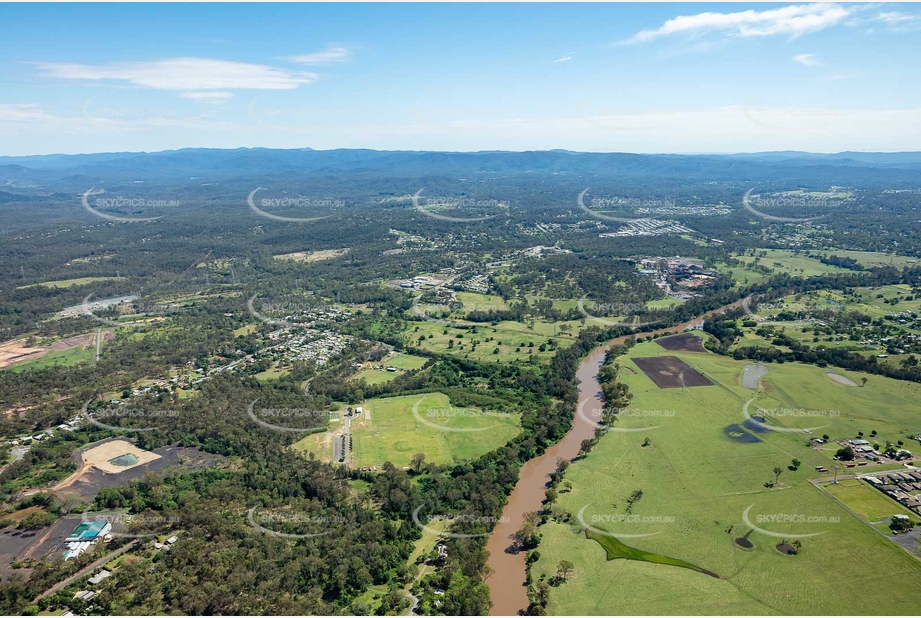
526 536
417 461
564 569
845 454
863 381
647 442
777 471
795 464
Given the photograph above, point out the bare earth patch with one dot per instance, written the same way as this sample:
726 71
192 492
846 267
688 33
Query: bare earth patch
670 372
313 256
839 378
100 456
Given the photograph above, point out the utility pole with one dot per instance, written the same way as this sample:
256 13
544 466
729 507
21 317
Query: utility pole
835 482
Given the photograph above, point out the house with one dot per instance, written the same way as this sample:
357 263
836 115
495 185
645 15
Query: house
100 576
859 442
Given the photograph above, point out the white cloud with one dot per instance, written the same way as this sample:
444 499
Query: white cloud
899 22
187 74
565 58
794 20
330 54
207 96
24 112
808 59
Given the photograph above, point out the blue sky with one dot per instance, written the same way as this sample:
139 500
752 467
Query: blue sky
681 78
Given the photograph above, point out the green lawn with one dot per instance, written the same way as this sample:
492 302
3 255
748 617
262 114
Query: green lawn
697 483
869 502
405 361
481 302
393 433
390 431
271 374
375 376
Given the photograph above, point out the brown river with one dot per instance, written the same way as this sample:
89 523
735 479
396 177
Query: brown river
507 582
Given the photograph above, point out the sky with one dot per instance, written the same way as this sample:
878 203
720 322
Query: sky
646 78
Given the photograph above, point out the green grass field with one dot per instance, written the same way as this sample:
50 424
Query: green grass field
512 343
697 484
481 302
390 431
406 362
58 358
870 503
271 374
374 376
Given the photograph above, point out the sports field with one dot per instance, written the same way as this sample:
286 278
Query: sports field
396 428
702 489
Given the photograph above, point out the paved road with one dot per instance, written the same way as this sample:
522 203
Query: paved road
84 571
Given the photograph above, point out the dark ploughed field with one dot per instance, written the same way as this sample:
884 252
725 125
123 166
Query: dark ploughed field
681 343
670 372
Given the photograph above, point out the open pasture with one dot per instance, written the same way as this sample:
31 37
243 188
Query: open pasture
690 491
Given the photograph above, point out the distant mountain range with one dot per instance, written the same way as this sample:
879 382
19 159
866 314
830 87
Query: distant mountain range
64 172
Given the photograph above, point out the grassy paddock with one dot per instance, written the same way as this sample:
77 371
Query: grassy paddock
700 487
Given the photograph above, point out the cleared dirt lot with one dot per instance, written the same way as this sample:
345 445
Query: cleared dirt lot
16 351
21 544
671 372
86 486
100 456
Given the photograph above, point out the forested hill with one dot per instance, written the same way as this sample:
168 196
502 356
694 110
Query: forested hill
210 165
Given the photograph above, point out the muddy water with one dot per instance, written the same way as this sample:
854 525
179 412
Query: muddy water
507 583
